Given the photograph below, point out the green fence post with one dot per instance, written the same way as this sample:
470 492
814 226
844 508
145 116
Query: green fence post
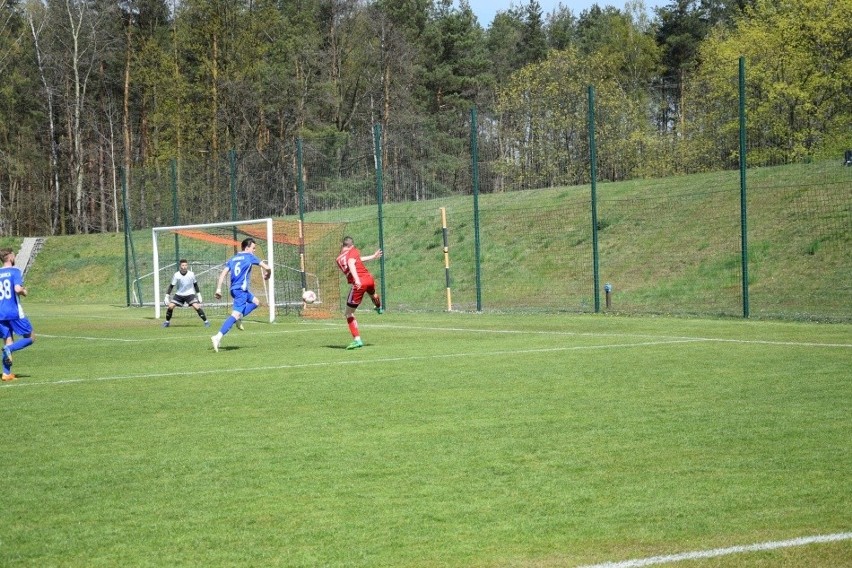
129 250
175 215
300 186
300 183
743 194
593 167
126 235
377 146
232 161
474 157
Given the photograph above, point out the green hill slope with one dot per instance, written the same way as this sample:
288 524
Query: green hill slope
667 246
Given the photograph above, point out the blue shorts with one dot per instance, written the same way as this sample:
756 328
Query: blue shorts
20 326
242 299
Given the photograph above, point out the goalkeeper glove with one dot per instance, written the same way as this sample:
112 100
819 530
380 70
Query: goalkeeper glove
166 300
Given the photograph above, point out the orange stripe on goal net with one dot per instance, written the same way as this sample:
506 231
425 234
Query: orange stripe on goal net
202 236
283 232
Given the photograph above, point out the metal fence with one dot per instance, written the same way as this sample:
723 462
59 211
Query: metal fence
537 220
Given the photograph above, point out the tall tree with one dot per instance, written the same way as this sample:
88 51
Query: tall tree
18 129
37 20
516 37
681 26
543 119
353 52
146 28
456 74
533 45
81 33
561 27
400 26
71 48
12 31
622 39
503 39
103 117
454 80
798 78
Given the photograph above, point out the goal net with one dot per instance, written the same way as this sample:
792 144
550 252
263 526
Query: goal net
301 255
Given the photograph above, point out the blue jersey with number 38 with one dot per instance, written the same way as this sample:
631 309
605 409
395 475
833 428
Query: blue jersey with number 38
10 308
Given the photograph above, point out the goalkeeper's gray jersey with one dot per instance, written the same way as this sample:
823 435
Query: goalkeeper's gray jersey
184 283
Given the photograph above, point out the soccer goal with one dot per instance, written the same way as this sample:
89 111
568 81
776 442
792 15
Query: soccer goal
285 245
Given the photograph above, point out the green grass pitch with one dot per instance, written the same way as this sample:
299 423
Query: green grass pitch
449 440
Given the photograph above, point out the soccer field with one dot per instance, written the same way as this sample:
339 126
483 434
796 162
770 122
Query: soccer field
449 440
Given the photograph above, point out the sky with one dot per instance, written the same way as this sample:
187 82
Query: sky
486 9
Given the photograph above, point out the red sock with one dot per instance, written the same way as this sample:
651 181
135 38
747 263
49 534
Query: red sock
353 326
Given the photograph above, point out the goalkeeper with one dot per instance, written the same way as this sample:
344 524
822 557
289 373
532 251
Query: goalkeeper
188 293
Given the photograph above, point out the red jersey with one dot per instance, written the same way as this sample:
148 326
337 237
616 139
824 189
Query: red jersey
363 274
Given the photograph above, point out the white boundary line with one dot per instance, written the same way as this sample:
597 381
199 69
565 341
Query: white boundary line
329 326
605 334
654 340
696 555
174 337
347 362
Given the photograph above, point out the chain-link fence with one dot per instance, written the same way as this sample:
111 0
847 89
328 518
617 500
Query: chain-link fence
535 218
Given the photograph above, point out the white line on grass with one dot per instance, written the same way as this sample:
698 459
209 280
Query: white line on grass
172 337
335 326
341 363
802 541
599 334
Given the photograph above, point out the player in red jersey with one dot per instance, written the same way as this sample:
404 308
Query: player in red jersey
351 263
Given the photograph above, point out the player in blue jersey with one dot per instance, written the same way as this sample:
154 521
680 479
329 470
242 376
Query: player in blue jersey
12 318
239 267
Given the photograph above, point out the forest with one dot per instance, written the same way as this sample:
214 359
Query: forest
97 93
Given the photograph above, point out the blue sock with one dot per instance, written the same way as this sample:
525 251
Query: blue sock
250 307
226 327
21 343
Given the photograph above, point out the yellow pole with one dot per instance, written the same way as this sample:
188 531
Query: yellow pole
446 258
302 273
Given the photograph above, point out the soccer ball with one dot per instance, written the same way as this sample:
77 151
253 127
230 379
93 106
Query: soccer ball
309 296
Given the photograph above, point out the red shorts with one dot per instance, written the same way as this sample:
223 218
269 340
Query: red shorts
368 286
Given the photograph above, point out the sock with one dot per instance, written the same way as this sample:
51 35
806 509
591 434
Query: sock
229 323
169 314
250 307
200 314
21 343
353 327
7 370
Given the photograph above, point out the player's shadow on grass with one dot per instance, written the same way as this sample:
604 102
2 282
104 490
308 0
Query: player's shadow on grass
343 347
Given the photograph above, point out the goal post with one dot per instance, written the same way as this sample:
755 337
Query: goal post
223 238
301 256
